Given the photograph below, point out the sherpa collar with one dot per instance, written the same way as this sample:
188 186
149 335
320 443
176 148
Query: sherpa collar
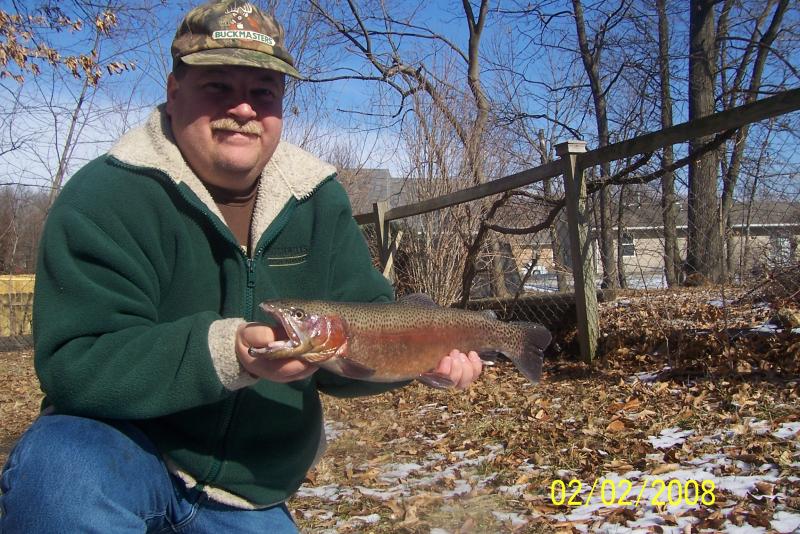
291 172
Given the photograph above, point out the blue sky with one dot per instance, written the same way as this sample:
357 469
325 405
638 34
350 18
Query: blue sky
123 100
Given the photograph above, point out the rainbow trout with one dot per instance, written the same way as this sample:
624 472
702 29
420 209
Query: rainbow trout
390 342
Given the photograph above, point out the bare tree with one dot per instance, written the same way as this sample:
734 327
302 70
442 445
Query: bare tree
22 211
669 200
463 102
591 56
536 114
704 247
760 47
435 244
62 102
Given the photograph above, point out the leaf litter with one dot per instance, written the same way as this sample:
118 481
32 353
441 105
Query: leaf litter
687 388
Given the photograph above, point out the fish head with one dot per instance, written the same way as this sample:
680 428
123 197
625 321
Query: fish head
312 335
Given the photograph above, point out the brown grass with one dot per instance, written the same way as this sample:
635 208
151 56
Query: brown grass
495 449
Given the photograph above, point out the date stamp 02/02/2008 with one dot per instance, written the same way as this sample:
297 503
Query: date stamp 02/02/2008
622 492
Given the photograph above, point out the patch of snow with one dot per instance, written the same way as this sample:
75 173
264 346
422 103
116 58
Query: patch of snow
395 472
717 437
670 437
516 520
585 513
785 522
740 485
462 488
758 427
644 377
649 520
334 429
730 528
457 477
787 430
765 328
368 519
487 480
320 514
516 490
331 492
383 494
709 460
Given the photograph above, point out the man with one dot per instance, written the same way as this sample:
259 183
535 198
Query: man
154 258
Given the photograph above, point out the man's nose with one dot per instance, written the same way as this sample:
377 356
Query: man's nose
242 111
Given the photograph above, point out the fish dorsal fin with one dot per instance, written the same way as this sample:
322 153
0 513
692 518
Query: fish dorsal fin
489 314
418 299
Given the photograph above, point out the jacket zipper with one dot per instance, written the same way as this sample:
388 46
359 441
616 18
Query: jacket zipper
249 295
230 406
248 313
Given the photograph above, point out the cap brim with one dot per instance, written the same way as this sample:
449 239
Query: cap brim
240 57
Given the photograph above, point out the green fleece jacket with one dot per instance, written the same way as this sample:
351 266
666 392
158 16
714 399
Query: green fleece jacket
140 287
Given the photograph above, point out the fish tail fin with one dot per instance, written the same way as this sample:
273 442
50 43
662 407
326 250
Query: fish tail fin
528 358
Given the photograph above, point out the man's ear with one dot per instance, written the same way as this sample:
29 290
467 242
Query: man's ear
172 89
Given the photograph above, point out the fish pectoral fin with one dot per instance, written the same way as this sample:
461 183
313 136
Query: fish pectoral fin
347 368
318 357
436 380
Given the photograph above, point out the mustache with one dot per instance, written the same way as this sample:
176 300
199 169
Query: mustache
250 127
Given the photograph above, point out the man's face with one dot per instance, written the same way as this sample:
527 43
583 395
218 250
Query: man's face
227 121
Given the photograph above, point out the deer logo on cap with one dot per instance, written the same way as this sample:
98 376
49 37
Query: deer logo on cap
239 15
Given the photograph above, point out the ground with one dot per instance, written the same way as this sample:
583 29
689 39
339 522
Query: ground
19 397
689 422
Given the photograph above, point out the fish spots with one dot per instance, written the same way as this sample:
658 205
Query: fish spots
403 341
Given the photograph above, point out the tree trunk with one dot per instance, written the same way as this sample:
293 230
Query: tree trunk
669 211
731 175
555 238
704 258
623 281
591 63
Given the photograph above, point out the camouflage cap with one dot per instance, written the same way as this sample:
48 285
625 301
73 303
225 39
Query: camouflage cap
232 32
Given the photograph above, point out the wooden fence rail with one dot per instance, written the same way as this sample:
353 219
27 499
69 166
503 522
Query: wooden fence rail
573 160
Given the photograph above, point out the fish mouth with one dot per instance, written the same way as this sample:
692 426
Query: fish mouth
289 326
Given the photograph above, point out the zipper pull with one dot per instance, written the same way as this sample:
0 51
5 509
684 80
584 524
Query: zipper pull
251 268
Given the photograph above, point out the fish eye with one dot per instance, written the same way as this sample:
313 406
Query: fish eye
297 313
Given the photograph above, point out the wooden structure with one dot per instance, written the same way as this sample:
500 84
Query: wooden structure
16 304
573 161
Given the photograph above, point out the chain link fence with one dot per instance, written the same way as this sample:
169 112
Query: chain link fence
523 269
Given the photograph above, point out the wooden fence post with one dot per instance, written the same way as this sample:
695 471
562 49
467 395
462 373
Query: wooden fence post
383 240
580 247
388 267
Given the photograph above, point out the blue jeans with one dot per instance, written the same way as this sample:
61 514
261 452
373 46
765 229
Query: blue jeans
73 474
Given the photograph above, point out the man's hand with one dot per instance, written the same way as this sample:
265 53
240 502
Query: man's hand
459 368
283 370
